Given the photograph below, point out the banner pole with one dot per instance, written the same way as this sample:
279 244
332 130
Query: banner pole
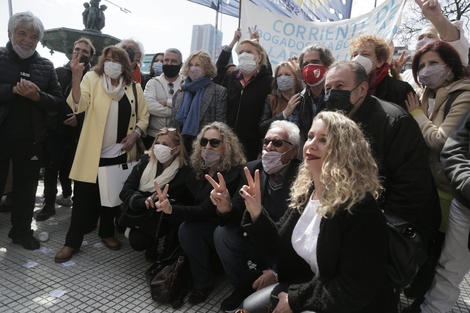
239 12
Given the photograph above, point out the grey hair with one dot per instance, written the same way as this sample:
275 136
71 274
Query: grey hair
28 20
325 55
293 132
355 67
175 51
139 46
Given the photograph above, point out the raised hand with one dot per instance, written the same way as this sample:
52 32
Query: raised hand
251 193
75 65
220 196
397 65
430 8
254 34
162 203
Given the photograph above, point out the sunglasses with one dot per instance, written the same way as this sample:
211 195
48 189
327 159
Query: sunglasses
213 142
168 129
171 91
276 142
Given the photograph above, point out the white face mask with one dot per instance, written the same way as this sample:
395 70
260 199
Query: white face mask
271 161
195 72
247 63
210 157
113 70
365 62
22 52
162 152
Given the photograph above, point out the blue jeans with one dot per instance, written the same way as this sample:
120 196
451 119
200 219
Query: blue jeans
235 251
196 238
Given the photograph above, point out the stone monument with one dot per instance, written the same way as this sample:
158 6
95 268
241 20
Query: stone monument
62 39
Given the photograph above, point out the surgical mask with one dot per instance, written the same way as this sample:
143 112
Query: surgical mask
157 68
22 52
271 161
113 70
433 76
195 72
339 100
162 152
171 71
422 42
365 62
247 63
284 82
314 74
210 157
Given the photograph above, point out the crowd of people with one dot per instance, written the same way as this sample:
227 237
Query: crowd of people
277 178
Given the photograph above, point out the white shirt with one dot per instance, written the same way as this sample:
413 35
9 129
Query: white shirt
305 235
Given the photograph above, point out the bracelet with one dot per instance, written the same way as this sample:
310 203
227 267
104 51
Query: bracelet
275 275
138 132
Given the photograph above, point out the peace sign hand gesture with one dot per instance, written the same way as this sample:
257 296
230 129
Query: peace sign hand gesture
163 204
219 195
252 194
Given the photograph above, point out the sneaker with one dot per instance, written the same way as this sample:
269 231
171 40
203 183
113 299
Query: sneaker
47 211
27 242
64 201
232 302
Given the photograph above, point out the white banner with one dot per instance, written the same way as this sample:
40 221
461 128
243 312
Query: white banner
283 37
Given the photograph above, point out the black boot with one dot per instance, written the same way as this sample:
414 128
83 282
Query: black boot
47 211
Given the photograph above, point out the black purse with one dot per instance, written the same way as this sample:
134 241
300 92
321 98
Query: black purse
147 221
407 250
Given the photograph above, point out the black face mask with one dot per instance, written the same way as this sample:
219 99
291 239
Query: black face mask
339 100
171 71
85 60
130 53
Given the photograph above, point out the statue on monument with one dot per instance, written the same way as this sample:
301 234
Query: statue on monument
93 15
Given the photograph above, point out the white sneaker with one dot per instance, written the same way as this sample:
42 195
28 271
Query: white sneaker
64 201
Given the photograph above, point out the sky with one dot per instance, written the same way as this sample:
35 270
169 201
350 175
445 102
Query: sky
158 24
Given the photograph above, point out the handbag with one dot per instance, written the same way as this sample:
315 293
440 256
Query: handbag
169 278
147 221
407 250
111 178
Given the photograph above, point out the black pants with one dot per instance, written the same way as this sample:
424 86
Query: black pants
87 209
59 151
24 156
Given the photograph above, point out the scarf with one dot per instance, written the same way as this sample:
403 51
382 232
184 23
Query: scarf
376 76
147 178
115 93
137 75
189 114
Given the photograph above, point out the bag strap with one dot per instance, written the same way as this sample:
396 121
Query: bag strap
452 96
135 97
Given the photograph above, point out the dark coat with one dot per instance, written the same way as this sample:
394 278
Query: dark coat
245 107
401 153
352 256
393 90
234 217
21 118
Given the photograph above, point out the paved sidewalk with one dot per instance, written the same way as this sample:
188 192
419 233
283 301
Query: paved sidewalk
97 280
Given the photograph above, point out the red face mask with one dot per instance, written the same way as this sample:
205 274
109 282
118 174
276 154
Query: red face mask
314 74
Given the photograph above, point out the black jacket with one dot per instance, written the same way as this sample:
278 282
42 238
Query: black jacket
401 154
455 158
245 108
21 118
352 256
393 90
234 217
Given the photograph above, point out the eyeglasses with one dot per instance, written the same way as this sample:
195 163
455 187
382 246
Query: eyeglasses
171 91
213 142
276 142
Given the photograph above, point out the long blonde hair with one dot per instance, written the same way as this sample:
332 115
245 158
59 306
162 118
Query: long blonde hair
231 156
349 171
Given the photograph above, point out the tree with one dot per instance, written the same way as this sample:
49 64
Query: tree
413 20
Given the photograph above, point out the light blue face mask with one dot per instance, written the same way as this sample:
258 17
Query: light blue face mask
284 82
157 68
